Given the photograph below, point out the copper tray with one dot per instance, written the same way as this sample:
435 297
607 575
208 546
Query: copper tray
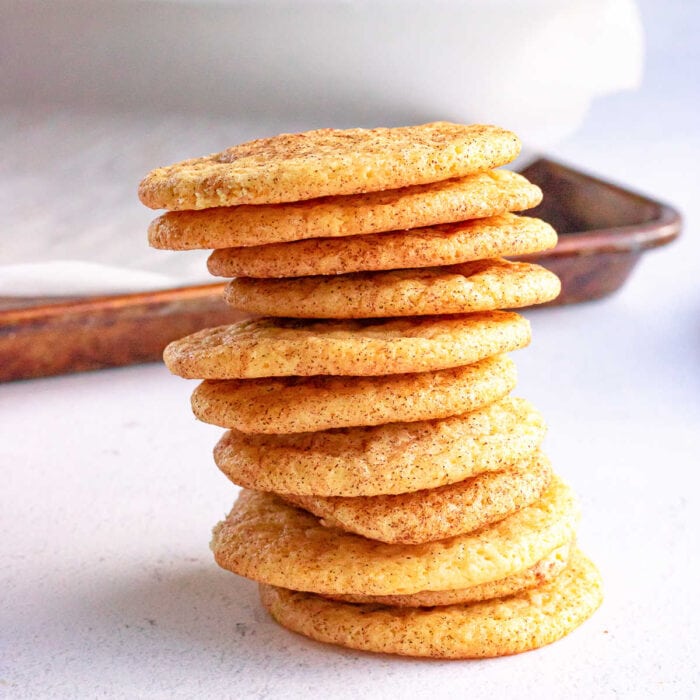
603 230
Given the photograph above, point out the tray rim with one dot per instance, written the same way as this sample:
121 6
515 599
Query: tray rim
629 238
108 302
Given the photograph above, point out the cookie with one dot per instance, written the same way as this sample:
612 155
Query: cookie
475 196
385 459
545 570
293 167
435 514
449 244
527 620
270 347
482 285
305 404
270 541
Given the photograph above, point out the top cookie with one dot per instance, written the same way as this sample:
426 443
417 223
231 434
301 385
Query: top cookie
294 167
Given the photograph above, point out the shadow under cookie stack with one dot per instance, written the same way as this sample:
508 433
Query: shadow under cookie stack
395 498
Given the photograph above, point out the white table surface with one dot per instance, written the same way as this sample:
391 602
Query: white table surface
109 493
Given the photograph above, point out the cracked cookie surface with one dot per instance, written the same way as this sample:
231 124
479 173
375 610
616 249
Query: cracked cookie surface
281 405
475 196
448 244
435 514
269 541
274 347
481 285
294 167
384 459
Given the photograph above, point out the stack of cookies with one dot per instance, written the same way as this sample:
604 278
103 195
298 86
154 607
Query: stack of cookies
395 497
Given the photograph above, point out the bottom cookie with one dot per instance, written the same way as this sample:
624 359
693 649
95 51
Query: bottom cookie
498 627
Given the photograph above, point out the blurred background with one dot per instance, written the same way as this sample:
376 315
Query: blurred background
95 94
